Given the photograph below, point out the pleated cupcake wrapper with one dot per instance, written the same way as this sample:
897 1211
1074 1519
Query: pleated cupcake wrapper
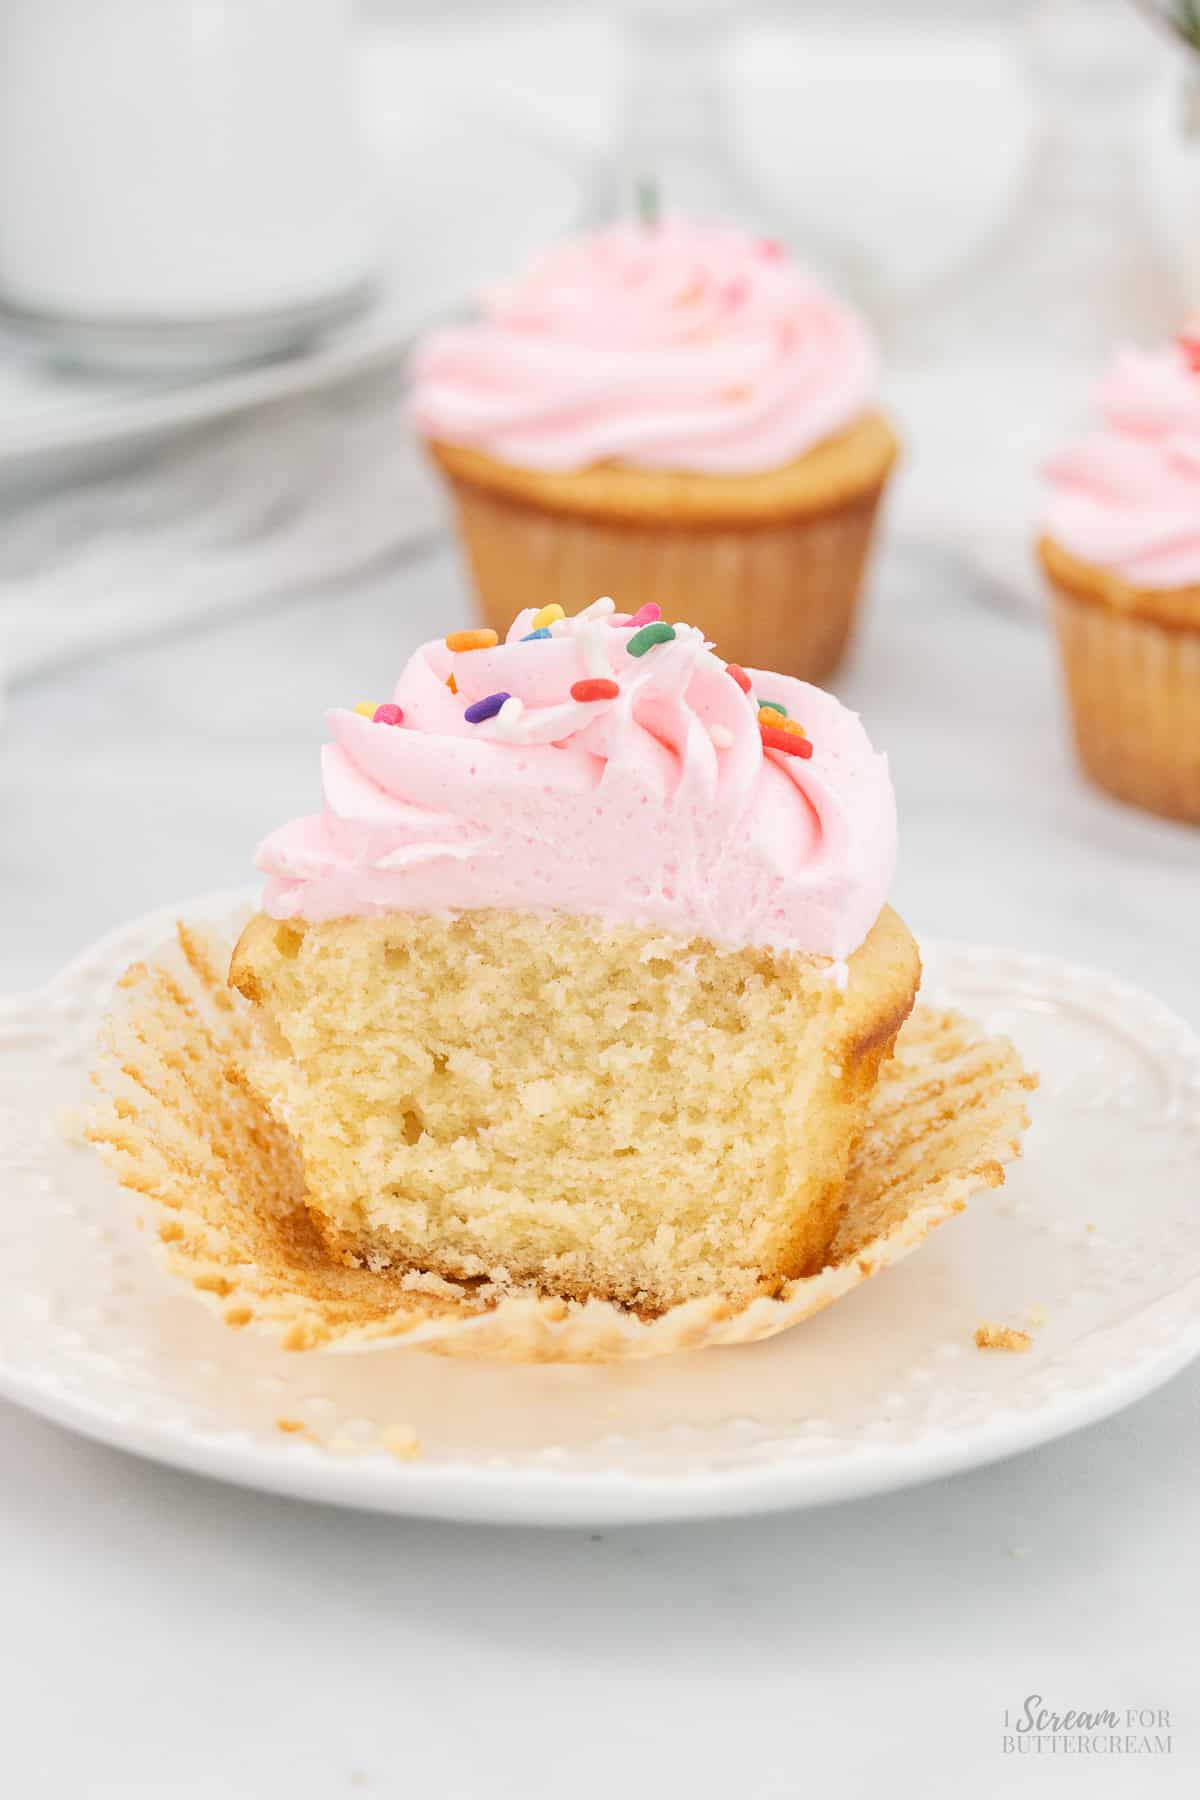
223 1189
1133 688
772 596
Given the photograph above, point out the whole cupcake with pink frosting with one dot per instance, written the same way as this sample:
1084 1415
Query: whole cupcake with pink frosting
1121 548
672 409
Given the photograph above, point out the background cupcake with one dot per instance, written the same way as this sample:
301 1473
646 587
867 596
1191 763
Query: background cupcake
671 411
1122 551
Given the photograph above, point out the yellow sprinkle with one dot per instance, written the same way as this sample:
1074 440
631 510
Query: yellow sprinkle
547 616
366 708
483 639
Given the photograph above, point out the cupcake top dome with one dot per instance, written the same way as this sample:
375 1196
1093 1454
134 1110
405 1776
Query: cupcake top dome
675 345
1126 498
608 765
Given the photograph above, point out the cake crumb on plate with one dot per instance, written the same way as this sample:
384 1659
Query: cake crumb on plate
1001 1337
402 1442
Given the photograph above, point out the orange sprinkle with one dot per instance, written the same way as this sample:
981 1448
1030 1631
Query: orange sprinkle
776 721
452 684
471 640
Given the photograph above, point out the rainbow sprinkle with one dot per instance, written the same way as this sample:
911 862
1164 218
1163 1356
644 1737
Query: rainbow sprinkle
483 639
648 637
387 714
487 708
770 720
792 743
647 629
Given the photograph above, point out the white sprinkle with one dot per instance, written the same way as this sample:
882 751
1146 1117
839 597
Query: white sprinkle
599 609
721 736
594 639
560 627
508 716
544 724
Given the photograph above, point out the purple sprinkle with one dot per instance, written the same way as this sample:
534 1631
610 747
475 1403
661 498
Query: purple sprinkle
487 708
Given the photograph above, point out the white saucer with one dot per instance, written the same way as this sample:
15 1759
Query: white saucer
1094 1234
440 246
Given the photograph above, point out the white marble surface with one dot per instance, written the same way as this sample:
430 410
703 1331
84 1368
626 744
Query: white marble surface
167 1636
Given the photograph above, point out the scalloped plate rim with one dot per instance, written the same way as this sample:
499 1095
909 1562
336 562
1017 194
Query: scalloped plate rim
461 1494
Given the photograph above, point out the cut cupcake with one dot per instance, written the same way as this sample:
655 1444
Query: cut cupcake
1121 550
666 408
581 982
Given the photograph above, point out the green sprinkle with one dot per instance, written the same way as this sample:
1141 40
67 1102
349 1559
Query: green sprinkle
645 639
775 706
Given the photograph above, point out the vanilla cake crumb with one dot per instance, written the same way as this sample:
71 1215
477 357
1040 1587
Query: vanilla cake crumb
402 1442
1001 1337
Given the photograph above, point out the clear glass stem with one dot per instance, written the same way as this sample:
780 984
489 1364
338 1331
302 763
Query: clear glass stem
675 129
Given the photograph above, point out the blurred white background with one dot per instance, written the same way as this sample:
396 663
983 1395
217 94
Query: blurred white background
193 564
1007 189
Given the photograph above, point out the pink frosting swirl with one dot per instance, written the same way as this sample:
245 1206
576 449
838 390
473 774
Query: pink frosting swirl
1127 498
659 805
674 346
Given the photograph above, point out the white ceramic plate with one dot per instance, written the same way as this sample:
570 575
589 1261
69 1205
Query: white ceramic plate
1095 1232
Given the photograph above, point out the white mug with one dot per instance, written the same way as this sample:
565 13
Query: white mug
179 174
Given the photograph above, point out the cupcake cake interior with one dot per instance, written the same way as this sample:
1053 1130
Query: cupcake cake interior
595 1110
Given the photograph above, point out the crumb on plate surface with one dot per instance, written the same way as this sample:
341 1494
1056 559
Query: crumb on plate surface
1001 1337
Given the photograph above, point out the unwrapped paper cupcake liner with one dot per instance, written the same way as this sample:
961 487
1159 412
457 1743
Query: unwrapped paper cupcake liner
772 594
225 1187
1133 688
